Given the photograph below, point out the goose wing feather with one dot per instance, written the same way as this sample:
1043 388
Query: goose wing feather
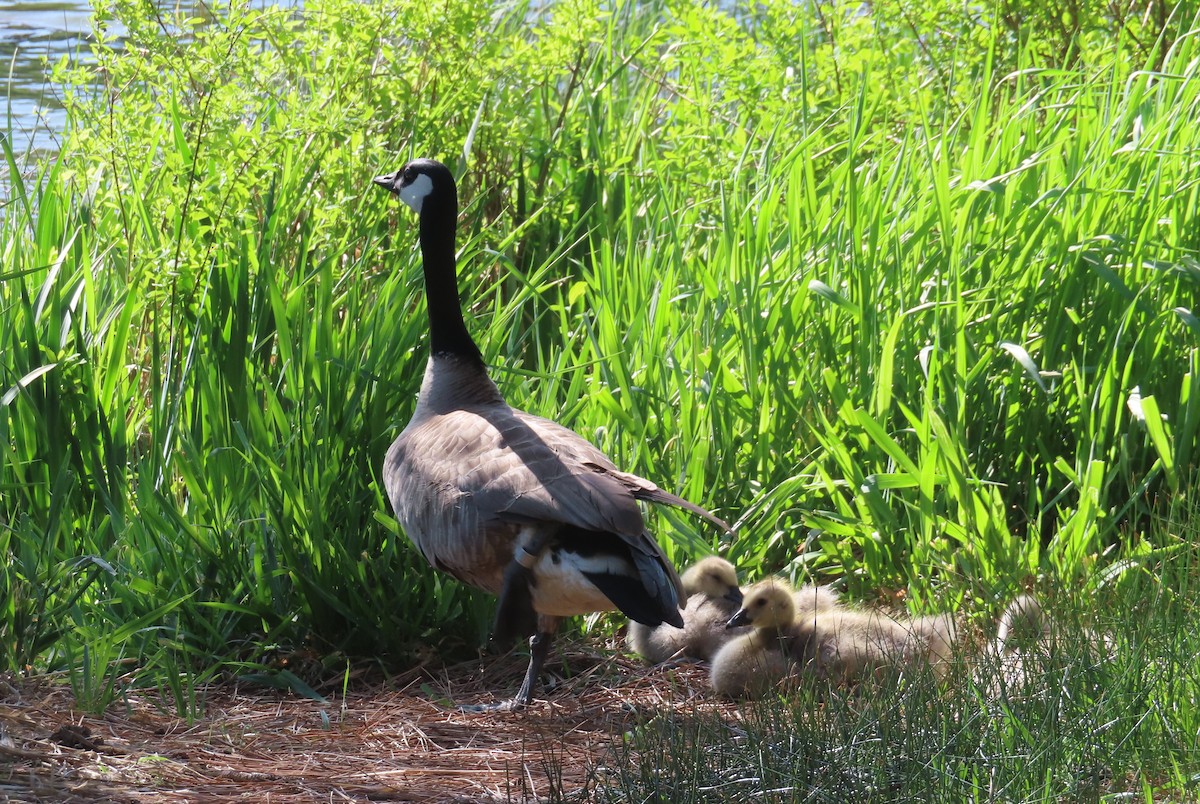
543 472
615 484
464 481
646 491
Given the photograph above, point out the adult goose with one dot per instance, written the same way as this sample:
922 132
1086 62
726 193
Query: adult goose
505 501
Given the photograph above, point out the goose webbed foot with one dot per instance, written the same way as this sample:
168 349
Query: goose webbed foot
500 706
539 649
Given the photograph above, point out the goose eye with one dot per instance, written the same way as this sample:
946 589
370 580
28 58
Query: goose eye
409 175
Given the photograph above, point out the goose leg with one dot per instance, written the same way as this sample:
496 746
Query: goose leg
539 649
515 616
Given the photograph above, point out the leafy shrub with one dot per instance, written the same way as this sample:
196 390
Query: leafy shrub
882 283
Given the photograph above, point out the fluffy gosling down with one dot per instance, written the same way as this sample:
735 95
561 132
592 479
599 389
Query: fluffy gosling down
1027 639
764 658
713 595
1023 639
811 599
833 642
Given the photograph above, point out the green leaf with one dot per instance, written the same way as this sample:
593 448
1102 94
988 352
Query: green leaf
1021 356
24 382
819 288
1160 438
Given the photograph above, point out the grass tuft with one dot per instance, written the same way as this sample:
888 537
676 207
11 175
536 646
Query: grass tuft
908 293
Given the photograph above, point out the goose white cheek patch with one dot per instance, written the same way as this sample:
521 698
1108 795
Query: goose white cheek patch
414 193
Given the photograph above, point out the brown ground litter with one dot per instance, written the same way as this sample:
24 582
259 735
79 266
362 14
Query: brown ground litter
395 742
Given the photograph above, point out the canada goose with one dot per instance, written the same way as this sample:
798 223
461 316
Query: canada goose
1021 625
833 642
505 501
1017 661
765 657
811 599
1009 663
1025 626
713 595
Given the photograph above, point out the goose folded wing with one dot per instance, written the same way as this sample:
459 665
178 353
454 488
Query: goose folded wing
464 471
538 471
584 457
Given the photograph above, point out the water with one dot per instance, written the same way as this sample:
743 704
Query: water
34 35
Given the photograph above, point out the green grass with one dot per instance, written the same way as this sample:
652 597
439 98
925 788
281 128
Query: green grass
880 288
1087 726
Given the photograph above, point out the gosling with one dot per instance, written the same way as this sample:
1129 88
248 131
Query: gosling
835 643
1022 625
766 657
1006 665
848 644
713 595
811 600
935 635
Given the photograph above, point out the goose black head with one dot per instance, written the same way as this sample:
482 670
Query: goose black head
420 183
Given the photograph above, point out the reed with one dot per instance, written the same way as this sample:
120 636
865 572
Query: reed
914 311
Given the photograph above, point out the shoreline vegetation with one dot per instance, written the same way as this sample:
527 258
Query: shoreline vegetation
904 292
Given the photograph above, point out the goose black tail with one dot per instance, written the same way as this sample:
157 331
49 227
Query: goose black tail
629 595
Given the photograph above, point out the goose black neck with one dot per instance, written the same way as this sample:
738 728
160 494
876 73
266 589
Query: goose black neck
447 331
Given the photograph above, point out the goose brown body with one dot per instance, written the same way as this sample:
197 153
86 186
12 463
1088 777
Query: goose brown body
505 501
713 595
470 477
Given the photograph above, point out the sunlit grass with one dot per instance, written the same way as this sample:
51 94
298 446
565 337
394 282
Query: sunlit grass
929 329
1091 722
